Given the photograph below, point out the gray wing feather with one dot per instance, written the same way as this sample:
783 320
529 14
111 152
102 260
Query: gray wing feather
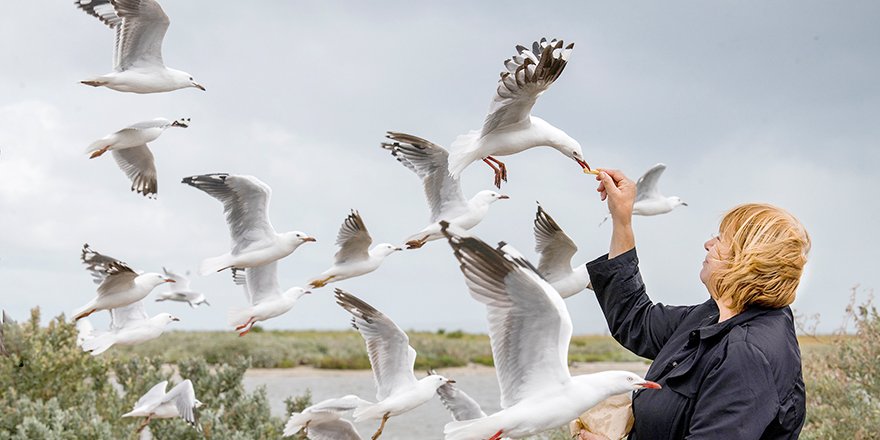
184 398
431 163
128 315
102 10
388 347
144 24
554 245
459 404
101 266
353 239
528 75
261 283
647 186
138 164
245 202
339 429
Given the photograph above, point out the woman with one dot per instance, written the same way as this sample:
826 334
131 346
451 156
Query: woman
730 367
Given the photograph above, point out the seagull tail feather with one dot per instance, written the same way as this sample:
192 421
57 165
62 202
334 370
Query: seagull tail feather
214 264
463 152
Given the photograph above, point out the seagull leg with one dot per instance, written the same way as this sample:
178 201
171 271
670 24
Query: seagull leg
322 282
97 153
144 424
249 321
497 435
248 329
381 427
417 243
501 167
500 173
94 83
81 316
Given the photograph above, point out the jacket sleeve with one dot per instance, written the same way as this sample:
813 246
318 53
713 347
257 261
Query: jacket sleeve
737 399
635 322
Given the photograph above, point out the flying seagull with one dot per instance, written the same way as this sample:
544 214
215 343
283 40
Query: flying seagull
265 296
392 360
649 200
509 127
530 331
129 148
354 258
118 284
129 325
323 420
180 291
140 27
180 401
245 202
556 249
443 192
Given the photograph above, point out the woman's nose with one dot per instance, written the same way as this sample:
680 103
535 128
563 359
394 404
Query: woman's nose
708 244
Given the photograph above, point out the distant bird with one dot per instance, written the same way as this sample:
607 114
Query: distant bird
118 284
509 127
556 249
431 163
458 403
140 27
180 291
530 330
180 401
265 296
129 148
392 360
323 420
354 258
245 202
649 200
129 325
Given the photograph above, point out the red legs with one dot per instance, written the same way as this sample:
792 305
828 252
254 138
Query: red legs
249 321
322 282
81 316
249 324
144 424
417 243
497 435
500 170
381 427
97 153
94 83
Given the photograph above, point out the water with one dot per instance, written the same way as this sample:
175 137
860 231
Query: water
424 422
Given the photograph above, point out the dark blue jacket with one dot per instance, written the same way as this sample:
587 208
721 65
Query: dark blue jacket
739 379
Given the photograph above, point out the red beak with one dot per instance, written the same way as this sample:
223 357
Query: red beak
169 280
652 385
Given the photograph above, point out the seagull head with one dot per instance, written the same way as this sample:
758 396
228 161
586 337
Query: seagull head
296 238
165 318
384 249
571 148
435 381
618 382
296 292
676 201
152 279
185 80
488 196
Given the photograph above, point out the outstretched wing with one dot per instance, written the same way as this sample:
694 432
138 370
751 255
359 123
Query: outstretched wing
261 283
245 201
184 398
646 187
153 397
139 41
109 273
339 429
139 165
431 163
529 325
128 316
554 245
353 239
388 347
529 73
181 283
459 404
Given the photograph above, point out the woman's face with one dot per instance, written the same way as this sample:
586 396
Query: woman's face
713 261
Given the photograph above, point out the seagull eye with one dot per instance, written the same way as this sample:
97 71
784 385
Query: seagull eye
629 379
190 78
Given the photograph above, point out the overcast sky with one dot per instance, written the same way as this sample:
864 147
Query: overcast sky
745 101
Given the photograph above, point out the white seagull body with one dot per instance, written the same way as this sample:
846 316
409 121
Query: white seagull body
392 360
323 419
118 284
129 148
180 291
354 258
443 192
180 401
509 127
649 200
556 249
140 27
129 325
246 203
530 330
265 296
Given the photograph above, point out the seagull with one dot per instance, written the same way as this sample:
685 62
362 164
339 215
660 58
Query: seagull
323 420
129 148
392 360
431 163
140 26
245 201
649 200
458 403
509 127
354 257
157 404
556 249
530 331
118 284
181 291
265 296
129 325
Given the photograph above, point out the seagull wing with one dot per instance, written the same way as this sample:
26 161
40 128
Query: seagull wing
353 239
459 404
102 10
337 405
431 163
128 316
139 40
261 283
554 245
184 398
529 73
110 274
529 326
646 187
153 397
339 429
181 283
245 201
391 356
138 164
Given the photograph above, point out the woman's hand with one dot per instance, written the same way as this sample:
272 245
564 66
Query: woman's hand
587 435
620 192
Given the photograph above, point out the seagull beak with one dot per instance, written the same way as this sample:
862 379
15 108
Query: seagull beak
649 384
174 318
450 381
310 239
306 292
199 86
683 204
503 197
585 167
169 280
398 249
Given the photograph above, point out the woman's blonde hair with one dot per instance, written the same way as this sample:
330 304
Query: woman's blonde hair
764 249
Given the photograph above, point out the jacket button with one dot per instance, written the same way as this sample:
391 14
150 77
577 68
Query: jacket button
674 363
